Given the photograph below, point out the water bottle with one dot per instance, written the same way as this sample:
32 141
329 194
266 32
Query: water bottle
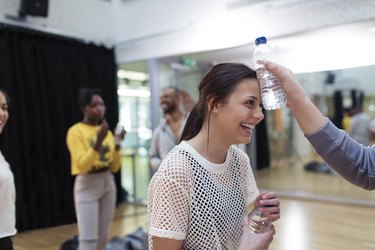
258 222
272 93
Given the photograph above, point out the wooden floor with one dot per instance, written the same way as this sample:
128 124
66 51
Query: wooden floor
128 217
305 225
319 212
289 178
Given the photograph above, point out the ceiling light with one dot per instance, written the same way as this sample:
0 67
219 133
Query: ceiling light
132 75
133 92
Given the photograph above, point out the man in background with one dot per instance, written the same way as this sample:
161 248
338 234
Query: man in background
167 134
360 127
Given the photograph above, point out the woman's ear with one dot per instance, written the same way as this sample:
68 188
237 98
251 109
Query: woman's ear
213 106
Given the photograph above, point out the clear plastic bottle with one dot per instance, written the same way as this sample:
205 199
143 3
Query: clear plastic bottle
258 222
273 95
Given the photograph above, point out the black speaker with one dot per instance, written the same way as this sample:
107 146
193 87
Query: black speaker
34 8
330 79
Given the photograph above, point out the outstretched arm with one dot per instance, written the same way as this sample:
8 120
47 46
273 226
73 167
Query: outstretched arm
308 116
350 159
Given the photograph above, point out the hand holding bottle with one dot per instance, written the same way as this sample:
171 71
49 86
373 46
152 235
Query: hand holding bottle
266 210
269 204
292 89
308 116
273 96
101 134
251 241
119 133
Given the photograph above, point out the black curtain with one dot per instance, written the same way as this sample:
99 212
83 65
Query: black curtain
42 74
357 98
263 154
338 108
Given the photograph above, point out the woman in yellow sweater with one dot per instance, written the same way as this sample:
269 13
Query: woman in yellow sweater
95 155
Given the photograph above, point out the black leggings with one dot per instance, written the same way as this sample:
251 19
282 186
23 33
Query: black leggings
6 243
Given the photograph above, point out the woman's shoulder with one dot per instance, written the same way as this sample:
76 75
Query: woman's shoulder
177 162
235 150
78 126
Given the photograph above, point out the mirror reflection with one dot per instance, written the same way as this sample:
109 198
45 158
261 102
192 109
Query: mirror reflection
294 168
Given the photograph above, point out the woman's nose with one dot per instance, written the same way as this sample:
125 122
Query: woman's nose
259 114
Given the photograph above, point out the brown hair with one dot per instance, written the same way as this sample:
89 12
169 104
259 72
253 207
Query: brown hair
219 82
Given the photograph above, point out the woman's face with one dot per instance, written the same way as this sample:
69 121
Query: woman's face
95 110
242 111
4 115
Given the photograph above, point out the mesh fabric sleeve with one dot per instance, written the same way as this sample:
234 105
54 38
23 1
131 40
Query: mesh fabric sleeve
169 200
251 189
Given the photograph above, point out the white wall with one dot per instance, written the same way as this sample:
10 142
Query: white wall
171 27
143 29
90 20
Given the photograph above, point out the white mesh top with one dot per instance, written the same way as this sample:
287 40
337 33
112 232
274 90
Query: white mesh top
202 203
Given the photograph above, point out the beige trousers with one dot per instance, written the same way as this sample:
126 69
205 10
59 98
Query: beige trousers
94 198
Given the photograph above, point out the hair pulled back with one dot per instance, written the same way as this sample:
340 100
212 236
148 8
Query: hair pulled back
85 95
7 98
219 82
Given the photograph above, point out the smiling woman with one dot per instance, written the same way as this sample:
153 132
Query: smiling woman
7 189
198 198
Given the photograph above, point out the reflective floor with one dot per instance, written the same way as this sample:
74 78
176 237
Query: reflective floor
286 176
319 211
304 225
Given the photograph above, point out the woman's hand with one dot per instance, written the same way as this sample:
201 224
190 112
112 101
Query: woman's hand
101 134
293 90
269 205
308 116
253 241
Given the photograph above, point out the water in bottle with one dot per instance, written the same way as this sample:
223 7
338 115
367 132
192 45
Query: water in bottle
258 222
273 95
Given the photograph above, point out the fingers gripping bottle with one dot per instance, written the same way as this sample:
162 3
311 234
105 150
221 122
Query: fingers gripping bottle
273 95
258 222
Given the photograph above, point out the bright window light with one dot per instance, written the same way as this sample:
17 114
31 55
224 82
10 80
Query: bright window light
132 75
133 92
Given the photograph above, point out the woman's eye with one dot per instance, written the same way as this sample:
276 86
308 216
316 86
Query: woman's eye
251 102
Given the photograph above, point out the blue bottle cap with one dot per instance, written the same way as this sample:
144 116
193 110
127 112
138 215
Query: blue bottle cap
260 40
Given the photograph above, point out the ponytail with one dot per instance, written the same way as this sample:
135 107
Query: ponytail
193 123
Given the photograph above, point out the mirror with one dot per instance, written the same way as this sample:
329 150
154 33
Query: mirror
296 170
327 69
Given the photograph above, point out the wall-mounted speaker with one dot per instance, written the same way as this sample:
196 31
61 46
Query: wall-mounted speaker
34 8
330 79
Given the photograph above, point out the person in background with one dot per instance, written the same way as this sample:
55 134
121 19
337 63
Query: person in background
7 189
199 197
360 126
346 120
167 134
186 101
95 155
350 159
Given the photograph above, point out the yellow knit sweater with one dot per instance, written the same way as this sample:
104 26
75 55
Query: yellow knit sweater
80 140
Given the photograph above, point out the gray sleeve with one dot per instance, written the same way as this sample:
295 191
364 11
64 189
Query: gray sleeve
353 161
